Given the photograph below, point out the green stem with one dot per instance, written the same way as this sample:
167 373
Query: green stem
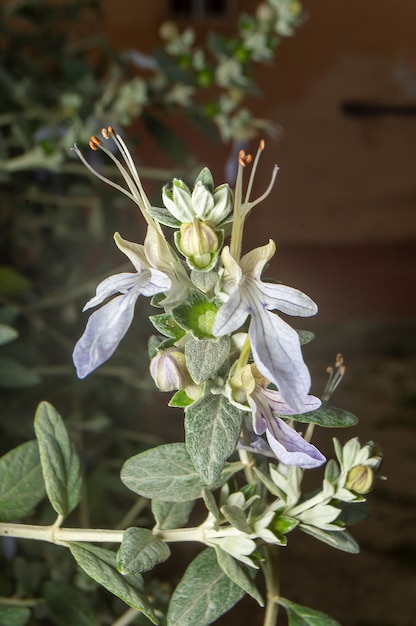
271 576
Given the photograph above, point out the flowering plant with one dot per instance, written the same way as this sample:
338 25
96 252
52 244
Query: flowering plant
237 370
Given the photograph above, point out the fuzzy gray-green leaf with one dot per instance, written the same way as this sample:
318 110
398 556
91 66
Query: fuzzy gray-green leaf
21 482
60 463
140 551
328 417
236 573
100 564
204 357
170 515
212 428
339 539
204 593
299 615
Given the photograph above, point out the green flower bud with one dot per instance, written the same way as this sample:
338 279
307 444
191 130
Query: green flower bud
198 242
168 370
360 479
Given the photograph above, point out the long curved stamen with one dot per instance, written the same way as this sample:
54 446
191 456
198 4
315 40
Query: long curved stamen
129 161
100 176
253 172
237 229
128 179
250 205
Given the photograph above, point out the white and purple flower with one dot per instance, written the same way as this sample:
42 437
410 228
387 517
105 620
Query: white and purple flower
275 345
107 326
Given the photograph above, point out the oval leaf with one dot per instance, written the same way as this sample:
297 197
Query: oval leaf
100 565
212 428
167 473
60 463
204 357
339 539
170 515
236 573
299 615
328 417
21 482
140 551
204 593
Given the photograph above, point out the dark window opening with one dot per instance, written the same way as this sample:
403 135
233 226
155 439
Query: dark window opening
198 8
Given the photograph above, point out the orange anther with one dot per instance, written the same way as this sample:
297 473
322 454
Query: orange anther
105 133
262 145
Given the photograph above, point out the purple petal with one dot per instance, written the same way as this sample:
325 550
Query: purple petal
104 331
152 281
118 283
289 446
278 356
287 299
230 316
278 405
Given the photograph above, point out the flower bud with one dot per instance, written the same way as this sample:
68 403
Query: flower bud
199 242
168 370
360 479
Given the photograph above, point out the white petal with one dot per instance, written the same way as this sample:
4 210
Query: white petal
202 201
230 316
287 299
133 251
278 405
254 261
104 331
278 356
150 282
290 447
118 283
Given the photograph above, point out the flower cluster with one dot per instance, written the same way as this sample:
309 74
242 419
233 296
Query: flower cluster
220 333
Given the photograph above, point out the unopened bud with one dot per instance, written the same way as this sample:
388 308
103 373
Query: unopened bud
199 242
168 370
360 479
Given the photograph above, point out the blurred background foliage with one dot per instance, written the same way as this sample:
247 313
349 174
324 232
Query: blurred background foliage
60 82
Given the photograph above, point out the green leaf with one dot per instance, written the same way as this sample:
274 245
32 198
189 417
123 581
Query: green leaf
339 539
100 564
205 177
328 417
299 615
204 357
212 428
68 605
13 375
163 216
7 334
180 399
140 551
21 482
167 326
60 463
210 503
167 473
14 615
204 593
205 281
284 524
236 517
236 573
170 515
196 314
